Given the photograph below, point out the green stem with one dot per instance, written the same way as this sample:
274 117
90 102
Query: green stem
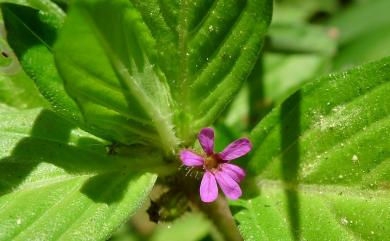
218 211
221 216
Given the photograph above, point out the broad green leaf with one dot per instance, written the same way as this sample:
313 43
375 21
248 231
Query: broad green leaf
31 34
58 183
44 5
322 162
110 73
19 91
218 53
16 89
149 63
325 213
7 58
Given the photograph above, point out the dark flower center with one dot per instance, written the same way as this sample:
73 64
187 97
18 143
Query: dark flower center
212 162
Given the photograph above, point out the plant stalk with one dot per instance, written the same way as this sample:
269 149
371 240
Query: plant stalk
221 216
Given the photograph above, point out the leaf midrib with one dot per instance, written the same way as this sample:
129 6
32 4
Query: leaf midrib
346 228
25 135
42 215
29 29
321 190
307 131
30 187
91 204
334 147
168 137
44 183
317 188
183 25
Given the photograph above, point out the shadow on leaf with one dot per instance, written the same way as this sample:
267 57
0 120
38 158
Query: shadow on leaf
107 187
290 132
259 106
15 16
49 143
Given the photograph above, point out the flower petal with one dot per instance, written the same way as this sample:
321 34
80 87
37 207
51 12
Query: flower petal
230 187
236 149
234 171
191 159
208 188
206 140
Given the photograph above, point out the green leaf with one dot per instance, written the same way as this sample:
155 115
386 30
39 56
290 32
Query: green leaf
218 53
109 72
43 5
322 162
8 65
325 213
16 89
19 91
31 33
190 227
148 63
363 35
58 183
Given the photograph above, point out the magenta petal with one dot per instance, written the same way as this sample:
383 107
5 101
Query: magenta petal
191 159
208 188
234 171
230 187
206 140
236 149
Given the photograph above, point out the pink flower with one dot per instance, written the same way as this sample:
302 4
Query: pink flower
217 166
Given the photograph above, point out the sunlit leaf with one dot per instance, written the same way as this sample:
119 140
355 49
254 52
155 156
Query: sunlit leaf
148 63
31 34
58 183
43 5
110 73
322 162
19 91
16 89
